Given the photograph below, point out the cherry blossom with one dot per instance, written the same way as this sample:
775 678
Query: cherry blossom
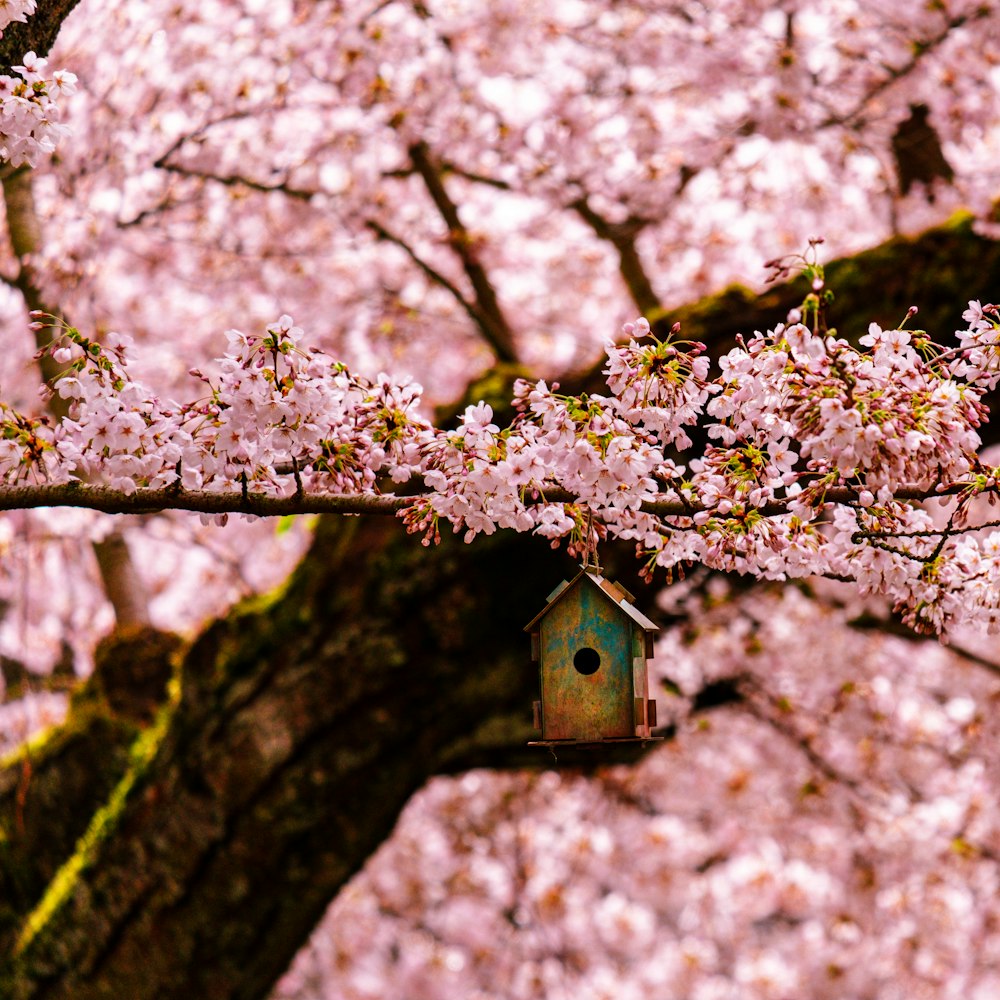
29 113
801 416
428 188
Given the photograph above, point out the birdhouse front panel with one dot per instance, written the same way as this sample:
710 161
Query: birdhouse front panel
585 647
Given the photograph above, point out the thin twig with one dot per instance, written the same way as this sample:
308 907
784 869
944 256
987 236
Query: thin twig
895 73
622 237
434 275
493 323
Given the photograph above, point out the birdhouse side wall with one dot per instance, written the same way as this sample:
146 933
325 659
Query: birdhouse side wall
640 683
578 705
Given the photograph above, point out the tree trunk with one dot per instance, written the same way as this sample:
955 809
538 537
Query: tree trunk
215 830
302 725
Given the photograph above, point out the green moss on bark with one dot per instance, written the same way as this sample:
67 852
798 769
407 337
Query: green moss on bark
937 271
51 786
102 825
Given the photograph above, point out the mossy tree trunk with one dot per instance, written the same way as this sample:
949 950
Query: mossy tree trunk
302 725
212 832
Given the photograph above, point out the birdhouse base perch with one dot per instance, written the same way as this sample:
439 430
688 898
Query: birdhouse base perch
596 743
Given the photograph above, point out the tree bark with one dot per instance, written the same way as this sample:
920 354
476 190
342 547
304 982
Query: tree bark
37 34
207 841
50 788
304 723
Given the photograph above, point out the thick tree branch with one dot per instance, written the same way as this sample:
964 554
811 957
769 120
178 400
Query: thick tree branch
37 35
302 728
51 787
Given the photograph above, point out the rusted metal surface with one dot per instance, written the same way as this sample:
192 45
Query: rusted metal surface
579 702
591 645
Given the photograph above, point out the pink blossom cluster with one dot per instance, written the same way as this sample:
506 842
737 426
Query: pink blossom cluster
936 579
277 419
980 358
116 429
485 478
276 404
802 412
869 418
29 115
658 385
800 415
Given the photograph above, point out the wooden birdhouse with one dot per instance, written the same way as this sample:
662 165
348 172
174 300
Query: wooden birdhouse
591 646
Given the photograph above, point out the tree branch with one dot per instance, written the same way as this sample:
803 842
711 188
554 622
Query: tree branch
894 625
37 35
26 239
894 73
622 237
352 686
162 162
447 167
50 787
236 180
146 500
492 322
473 312
149 501
764 706
122 583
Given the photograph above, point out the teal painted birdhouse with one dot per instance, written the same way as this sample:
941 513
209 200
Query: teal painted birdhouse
592 647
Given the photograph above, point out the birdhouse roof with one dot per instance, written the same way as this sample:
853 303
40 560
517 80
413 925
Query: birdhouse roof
615 594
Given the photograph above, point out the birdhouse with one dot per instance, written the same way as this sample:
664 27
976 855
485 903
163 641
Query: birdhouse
591 646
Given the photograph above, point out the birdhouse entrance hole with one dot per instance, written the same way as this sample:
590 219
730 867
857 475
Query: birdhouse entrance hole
587 661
